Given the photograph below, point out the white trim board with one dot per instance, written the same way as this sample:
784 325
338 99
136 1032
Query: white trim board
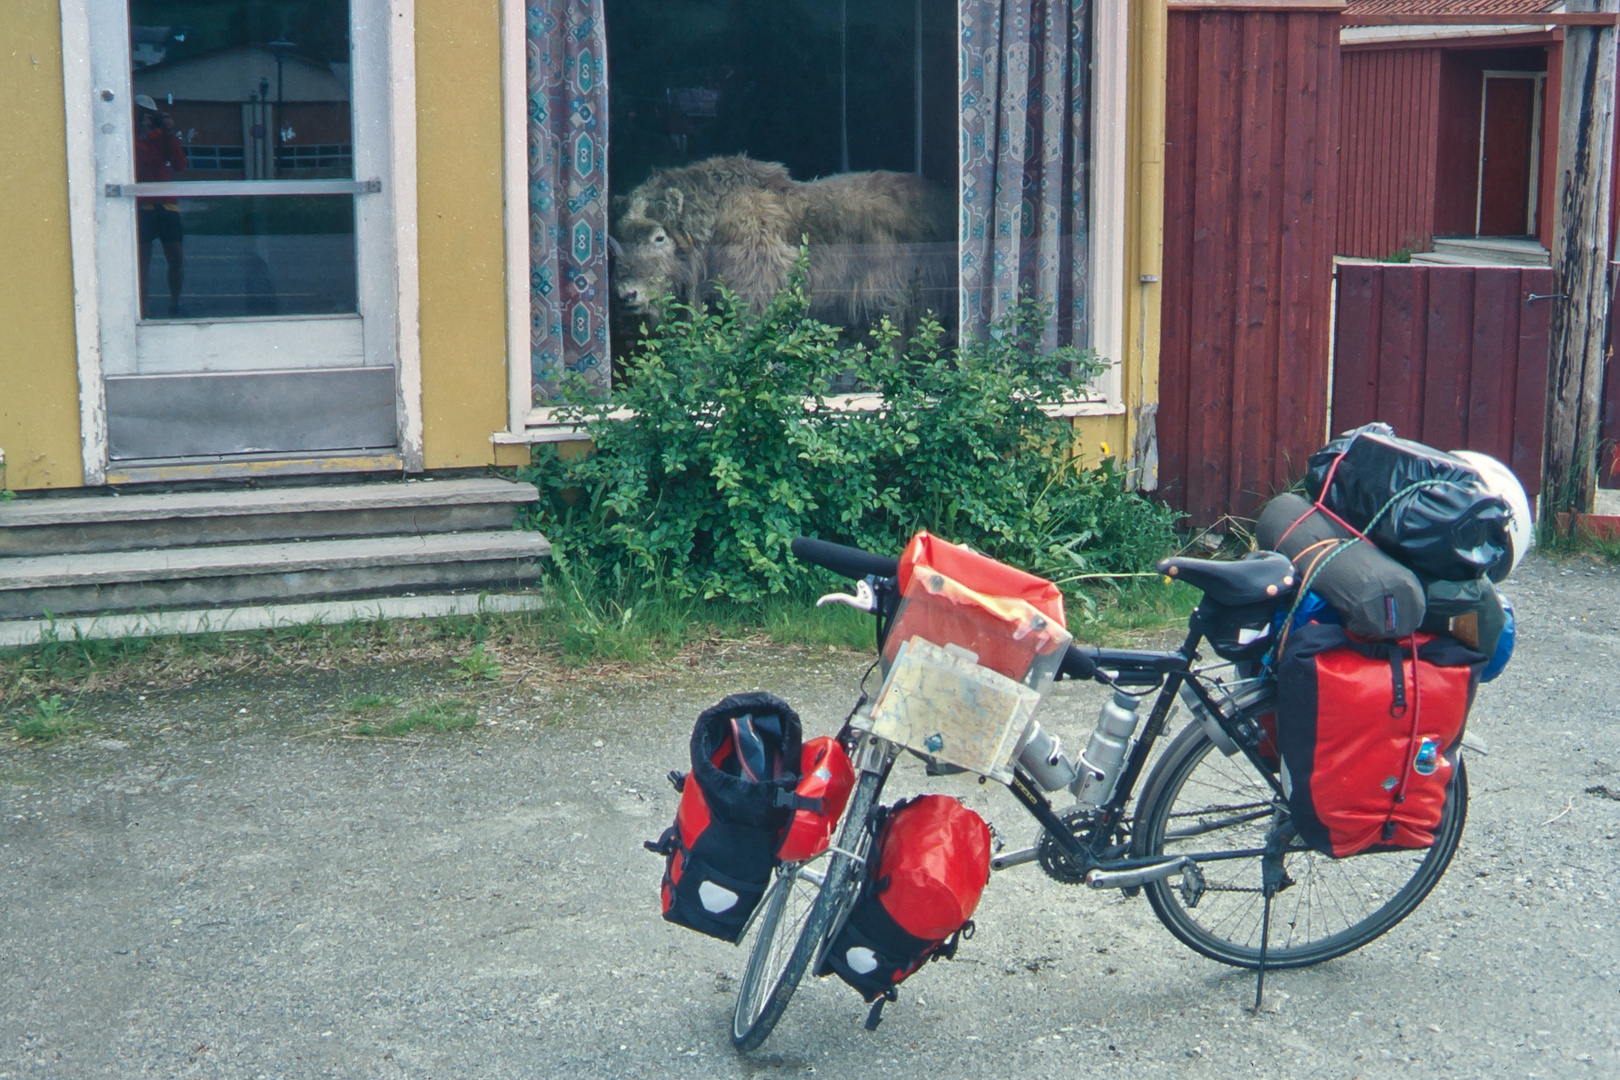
543 426
408 313
25 632
515 191
81 168
1109 150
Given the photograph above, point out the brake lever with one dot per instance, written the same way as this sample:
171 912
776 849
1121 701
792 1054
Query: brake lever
863 600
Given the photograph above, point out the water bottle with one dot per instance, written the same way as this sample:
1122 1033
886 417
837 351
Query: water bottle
1042 757
1099 765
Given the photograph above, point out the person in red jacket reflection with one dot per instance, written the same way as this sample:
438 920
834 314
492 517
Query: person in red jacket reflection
158 152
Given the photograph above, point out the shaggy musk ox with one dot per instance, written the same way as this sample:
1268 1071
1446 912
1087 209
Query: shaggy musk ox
880 243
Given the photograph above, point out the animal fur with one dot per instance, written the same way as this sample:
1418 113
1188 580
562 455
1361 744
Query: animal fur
880 243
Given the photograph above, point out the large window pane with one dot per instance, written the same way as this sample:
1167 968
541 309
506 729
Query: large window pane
244 257
846 114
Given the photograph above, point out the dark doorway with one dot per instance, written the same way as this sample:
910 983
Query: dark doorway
1507 157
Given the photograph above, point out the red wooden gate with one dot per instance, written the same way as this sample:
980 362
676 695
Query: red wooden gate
1453 356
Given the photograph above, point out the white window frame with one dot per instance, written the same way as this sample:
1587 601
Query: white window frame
529 425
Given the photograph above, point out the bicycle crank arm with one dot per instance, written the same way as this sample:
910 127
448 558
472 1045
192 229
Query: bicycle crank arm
1139 875
1015 858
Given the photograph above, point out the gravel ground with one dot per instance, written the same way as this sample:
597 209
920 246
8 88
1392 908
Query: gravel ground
217 882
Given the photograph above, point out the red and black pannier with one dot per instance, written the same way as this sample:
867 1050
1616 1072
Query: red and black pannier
929 864
734 805
755 797
1368 734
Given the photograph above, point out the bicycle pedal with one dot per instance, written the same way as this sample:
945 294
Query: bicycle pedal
1192 885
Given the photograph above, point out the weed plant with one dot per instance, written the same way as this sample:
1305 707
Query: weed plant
722 445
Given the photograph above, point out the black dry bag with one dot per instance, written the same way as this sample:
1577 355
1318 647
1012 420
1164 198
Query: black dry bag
735 803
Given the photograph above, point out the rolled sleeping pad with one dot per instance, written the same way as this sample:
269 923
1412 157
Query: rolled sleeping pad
1470 611
1376 596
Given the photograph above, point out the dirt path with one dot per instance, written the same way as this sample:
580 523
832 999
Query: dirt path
222 881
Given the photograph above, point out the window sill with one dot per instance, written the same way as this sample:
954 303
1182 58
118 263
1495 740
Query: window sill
542 425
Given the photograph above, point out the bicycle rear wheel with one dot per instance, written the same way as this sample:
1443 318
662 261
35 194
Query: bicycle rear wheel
1199 801
798 916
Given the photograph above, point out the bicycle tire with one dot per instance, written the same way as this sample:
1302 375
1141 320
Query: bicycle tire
1337 906
825 905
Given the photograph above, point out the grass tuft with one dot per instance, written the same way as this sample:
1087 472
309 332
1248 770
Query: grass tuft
46 721
440 716
371 703
478 665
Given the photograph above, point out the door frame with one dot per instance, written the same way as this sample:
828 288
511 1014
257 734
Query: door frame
79 91
1537 94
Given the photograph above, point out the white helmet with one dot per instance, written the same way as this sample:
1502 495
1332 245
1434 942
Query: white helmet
1500 481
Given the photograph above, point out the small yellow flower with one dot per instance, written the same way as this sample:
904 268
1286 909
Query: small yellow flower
1105 449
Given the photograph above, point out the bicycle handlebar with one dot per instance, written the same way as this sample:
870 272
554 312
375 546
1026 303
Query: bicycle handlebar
854 563
845 561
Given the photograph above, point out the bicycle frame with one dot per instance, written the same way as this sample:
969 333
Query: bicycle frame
1094 849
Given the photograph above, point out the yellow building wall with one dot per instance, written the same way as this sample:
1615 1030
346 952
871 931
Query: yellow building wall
39 380
460 230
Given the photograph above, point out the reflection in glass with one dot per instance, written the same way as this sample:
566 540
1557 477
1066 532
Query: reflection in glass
255 256
740 130
242 90
253 89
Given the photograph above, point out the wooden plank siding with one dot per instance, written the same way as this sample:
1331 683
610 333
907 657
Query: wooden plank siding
1251 174
1453 356
1389 141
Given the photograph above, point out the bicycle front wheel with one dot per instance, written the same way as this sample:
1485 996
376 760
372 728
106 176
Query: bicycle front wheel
804 908
1199 802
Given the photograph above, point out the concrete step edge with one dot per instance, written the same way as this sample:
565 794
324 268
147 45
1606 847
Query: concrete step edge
16 633
237 560
113 510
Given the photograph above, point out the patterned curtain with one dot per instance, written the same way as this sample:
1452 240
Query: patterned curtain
568 193
1026 126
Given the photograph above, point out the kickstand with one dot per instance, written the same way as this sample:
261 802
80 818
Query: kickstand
1273 880
1265 939
875 1016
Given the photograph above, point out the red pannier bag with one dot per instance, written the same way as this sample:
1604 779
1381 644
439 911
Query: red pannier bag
952 595
826 777
1368 735
932 861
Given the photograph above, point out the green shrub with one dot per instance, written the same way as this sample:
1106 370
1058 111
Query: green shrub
732 448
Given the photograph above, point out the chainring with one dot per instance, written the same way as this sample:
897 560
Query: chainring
1053 859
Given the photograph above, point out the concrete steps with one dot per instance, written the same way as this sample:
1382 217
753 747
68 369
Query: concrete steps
1485 251
63 526
97 554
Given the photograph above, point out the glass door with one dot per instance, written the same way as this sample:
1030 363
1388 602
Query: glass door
244 235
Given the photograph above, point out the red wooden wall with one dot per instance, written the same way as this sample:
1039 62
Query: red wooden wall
1389 133
1453 356
1609 423
1251 172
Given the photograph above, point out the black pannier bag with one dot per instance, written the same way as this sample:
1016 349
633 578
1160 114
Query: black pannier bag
1451 528
735 804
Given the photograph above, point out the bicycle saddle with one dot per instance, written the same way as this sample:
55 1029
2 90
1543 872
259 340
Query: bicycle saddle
1258 576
